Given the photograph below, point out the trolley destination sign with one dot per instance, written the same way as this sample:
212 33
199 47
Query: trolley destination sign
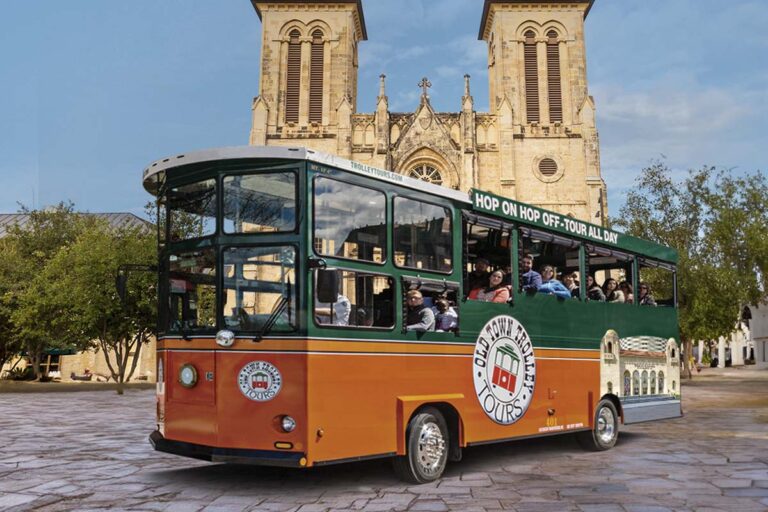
503 207
521 212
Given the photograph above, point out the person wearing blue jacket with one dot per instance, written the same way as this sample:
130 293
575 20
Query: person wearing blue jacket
531 280
552 286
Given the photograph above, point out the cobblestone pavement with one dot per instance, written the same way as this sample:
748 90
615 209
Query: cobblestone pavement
89 451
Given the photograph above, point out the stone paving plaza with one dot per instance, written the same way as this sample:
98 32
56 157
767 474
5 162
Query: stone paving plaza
89 451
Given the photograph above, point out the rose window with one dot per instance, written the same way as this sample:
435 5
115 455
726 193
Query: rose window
426 173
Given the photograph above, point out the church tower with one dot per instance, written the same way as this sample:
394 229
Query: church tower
548 143
308 79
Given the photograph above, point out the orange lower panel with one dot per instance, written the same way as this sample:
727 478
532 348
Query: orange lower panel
356 403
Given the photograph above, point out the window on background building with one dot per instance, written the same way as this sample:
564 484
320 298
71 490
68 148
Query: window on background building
645 382
636 383
553 78
293 79
627 383
531 77
653 383
662 390
426 173
316 78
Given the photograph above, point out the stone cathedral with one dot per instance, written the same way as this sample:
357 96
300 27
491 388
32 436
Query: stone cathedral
538 143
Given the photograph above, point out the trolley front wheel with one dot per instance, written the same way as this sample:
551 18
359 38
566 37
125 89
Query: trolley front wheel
426 448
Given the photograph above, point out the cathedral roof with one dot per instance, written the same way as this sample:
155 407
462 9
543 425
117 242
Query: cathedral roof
488 3
358 3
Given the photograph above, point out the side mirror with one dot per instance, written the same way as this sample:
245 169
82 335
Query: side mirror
327 285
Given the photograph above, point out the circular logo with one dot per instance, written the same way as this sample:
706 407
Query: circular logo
260 381
504 369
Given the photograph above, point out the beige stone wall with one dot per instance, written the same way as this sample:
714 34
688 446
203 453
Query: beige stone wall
95 362
498 151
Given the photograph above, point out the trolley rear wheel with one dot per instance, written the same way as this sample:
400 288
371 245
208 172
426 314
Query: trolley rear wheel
605 432
426 448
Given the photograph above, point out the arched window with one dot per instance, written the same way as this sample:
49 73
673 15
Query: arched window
610 387
531 77
553 78
426 173
609 347
645 382
636 382
293 79
316 78
627 383
653 383
661 384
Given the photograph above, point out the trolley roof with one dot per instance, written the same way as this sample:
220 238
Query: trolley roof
480 201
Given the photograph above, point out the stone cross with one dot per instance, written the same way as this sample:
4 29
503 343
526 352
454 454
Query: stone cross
425 84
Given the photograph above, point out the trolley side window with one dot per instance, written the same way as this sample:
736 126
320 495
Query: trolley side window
344 298
260 203
422 236
350 221
192 210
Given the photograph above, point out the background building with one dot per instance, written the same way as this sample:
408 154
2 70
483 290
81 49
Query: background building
538 143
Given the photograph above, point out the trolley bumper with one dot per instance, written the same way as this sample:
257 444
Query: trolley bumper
231 455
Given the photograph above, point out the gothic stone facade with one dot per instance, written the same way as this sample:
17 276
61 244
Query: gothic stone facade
538 143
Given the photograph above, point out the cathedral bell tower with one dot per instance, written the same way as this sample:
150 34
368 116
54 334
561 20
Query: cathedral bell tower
537 77
308 79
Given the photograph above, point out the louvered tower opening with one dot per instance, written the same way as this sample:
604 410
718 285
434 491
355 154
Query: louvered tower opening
553 78
531 78
293 79
548 167
316 78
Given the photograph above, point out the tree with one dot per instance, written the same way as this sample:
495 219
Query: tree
717 223
10 342
83 283
27 250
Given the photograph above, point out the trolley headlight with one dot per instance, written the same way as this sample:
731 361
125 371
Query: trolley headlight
188 375
225 338
288 424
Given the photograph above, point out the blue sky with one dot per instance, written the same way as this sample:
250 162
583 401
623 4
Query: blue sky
91 90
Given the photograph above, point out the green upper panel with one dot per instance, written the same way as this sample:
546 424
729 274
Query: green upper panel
530 215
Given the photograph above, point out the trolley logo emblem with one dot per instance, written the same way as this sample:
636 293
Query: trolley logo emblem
504 369
260 381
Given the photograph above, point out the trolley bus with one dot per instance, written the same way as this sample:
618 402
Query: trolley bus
284 333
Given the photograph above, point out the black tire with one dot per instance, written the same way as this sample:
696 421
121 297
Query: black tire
427 447
605 432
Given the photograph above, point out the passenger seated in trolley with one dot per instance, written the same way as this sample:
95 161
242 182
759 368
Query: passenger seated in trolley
480 276
594 292
496 291
612 292
571 282
420 317
336 313
446 318
531 280
552 286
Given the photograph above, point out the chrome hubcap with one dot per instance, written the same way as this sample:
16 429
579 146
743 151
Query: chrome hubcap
431 448
606 425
